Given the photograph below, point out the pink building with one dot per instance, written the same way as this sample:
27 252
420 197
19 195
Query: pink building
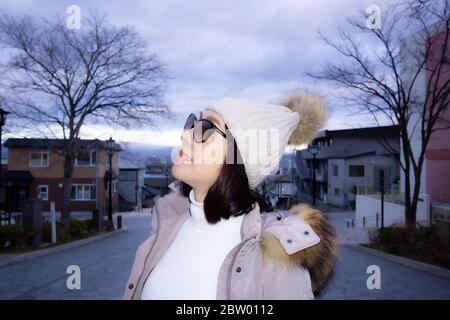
437 153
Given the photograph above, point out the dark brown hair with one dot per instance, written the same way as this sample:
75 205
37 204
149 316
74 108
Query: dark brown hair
230 195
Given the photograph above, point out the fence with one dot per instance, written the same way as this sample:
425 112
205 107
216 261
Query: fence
389 197
440 212
441 197
365 221
16 217
394 212
10 217
365 189
302 197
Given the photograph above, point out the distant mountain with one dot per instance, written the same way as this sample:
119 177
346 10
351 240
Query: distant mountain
142 151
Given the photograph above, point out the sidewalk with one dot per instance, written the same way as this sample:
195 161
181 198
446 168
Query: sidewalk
345 235
350 277
105 266
8 259
401 278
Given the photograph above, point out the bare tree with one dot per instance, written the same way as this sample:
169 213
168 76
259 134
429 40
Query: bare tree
384 69
57 80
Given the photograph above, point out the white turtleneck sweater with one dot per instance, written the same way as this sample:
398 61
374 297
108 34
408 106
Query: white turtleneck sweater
190 267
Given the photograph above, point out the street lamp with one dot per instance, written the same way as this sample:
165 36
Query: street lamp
110 146
314 149
3 115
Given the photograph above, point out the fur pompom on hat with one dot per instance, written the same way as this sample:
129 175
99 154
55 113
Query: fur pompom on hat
262 131
312 110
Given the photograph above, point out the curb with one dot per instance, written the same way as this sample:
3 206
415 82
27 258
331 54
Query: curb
414 264
58 248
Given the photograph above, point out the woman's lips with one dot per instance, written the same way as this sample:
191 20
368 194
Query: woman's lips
184 156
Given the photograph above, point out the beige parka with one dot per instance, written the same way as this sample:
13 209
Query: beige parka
282 255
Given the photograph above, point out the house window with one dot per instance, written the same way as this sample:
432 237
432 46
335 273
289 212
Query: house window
86 158
114 186
127 175
337 192
38 159
83 192
43 192
335 170
356 171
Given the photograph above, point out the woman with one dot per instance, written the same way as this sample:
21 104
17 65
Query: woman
213 237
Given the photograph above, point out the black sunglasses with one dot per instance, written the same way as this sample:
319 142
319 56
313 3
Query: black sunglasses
203 128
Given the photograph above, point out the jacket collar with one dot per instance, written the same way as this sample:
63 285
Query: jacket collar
251 223
283 238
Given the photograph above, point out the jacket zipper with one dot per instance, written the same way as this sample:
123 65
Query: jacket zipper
231 266
148 253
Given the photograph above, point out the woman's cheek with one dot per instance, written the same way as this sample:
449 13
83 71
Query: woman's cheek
207 154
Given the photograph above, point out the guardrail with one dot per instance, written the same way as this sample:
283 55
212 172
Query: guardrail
440 197
354 222
440 212
308 199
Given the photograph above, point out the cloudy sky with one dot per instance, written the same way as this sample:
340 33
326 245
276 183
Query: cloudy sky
254 49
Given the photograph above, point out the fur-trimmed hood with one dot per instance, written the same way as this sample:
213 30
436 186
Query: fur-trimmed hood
290 243
302 236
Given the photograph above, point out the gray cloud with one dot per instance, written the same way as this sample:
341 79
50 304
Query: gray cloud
216 49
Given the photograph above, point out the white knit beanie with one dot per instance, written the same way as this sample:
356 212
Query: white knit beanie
262 131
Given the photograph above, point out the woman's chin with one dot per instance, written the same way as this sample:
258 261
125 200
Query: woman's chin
181 170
